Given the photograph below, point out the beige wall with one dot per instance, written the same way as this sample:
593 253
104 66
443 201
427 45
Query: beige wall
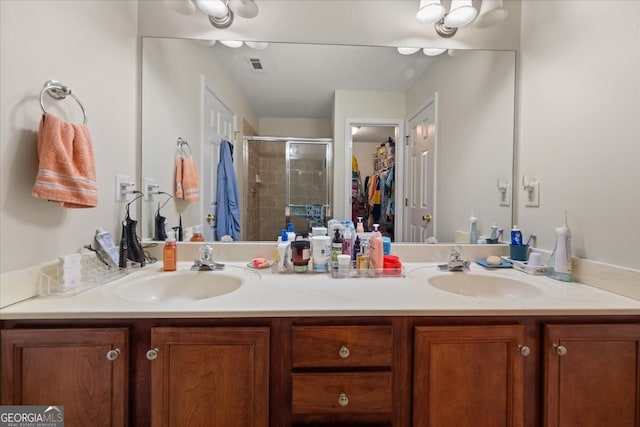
580 125
295 127
44 40
474 137
172 71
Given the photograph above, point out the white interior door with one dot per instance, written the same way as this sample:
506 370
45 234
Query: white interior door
420 169
219 123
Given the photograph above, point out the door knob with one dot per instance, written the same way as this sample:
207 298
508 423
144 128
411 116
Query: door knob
210 218
560 349
113 354
426 218
153 354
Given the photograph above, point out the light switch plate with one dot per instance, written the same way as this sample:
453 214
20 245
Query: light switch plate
533 196
146 183
122 183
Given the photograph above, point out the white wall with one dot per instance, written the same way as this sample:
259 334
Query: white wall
350 104
296 127
172 70
475 115
44 40
580 124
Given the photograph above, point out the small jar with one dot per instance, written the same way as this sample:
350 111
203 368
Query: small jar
344 265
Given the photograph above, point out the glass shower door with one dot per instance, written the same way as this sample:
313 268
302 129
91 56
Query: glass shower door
308 184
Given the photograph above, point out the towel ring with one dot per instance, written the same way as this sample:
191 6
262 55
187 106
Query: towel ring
181 143
57 90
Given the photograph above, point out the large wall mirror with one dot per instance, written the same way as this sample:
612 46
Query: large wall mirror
282 91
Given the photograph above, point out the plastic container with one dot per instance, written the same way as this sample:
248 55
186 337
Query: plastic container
284 253
170 253
344 265
197 234
473 229
516 236
336 245
106 249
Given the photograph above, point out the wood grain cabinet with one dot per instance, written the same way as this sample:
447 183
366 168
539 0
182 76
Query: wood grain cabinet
342 374
84 370
209 376
469 376
592 375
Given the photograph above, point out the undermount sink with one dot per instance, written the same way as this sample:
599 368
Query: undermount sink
483 285
178 287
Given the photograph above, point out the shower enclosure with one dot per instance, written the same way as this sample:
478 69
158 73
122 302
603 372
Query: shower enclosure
287 180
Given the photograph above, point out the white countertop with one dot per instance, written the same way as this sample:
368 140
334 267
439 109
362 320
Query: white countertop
263 294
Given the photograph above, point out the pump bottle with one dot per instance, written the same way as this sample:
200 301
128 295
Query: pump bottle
376 250
169 253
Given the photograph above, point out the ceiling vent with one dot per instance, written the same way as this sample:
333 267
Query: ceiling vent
256 65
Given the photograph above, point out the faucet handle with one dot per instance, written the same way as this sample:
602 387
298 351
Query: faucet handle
206 252
456 252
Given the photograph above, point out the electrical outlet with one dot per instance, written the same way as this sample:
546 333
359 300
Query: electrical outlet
148 185
533 195
505 196
123 182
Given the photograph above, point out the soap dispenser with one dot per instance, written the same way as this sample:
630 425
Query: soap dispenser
560 261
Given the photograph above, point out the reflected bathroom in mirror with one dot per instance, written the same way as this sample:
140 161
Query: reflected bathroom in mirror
316 92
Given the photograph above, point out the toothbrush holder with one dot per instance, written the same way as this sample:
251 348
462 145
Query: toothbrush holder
518 252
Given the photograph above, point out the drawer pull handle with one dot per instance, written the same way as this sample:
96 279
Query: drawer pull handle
344 352
524 350
343 400
153 354
560 349
113 354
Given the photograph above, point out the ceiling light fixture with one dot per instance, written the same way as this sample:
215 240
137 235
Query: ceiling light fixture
222 12
461 13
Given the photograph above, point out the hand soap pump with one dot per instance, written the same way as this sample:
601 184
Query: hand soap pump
169 253
560 260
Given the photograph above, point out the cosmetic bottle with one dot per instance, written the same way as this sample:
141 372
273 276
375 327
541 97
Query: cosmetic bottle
336 246
560 260
169 253
516 236
347 242
376 250
360 226
122 261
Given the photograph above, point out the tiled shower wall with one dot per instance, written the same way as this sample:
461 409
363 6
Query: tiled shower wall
265 207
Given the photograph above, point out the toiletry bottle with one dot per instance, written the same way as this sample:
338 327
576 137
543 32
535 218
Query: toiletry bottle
356 249
197 234
363 260
291 235
560 260
375 250
336 246
347 241
122 262
516 236
360 226
473 231
169 253
284 252
494 233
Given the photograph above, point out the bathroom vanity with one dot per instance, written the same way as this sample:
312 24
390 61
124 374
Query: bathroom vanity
294 350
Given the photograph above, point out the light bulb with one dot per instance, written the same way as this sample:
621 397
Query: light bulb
232 43
215 8
429 12
408 50
462 13
433 51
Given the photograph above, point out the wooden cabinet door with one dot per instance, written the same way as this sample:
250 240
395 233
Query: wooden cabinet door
215 376
592 375
468 376
68 367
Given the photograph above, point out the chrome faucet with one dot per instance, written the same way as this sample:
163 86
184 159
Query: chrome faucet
456 263
206 263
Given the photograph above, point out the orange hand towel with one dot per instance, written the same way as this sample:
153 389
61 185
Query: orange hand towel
66 170
187 184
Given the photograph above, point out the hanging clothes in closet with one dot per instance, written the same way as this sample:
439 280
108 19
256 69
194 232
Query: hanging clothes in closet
380 190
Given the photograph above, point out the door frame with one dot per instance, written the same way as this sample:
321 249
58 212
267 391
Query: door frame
400 138
431 99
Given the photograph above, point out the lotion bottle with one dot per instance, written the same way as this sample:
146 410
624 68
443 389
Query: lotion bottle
284 253
169 253
560 261
375 250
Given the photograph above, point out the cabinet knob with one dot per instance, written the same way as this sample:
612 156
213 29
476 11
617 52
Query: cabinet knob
343 400
524 350
560 349
344 352
152 354
113 354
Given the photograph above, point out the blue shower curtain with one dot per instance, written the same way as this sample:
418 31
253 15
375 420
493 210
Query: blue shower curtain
227 200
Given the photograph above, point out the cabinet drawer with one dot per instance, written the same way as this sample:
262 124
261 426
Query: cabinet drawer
341 393
341 346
